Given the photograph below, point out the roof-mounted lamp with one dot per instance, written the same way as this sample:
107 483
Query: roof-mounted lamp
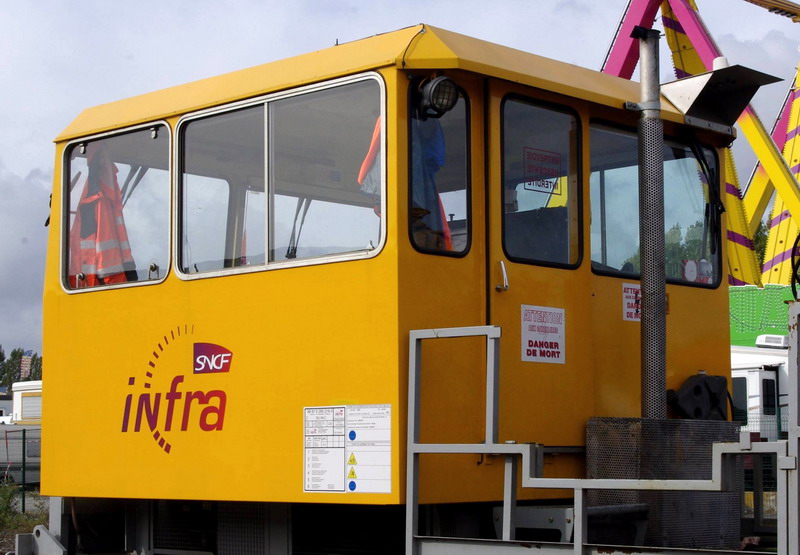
437 97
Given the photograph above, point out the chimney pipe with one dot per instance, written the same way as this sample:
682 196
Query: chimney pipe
651 230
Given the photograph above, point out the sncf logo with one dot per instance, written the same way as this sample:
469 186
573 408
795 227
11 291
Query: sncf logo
165 399
209 358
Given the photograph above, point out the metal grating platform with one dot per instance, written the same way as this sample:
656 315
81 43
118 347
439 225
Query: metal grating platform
632 448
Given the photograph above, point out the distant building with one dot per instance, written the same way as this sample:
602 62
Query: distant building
25 365
27 402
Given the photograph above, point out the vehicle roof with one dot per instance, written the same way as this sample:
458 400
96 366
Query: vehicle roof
418 47
748 358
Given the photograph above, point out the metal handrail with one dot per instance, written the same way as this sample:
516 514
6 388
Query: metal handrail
530 456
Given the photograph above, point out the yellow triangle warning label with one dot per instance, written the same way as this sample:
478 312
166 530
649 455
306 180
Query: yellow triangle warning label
352 474
352 459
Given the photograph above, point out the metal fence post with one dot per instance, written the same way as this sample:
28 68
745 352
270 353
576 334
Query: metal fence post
22 485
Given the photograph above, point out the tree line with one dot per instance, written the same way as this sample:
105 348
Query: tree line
691 246
11 367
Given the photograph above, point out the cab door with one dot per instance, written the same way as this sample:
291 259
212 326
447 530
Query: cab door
537 291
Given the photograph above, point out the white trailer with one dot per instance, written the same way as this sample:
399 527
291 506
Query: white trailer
760 389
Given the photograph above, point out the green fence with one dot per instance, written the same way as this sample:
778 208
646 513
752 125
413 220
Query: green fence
20 457
757 311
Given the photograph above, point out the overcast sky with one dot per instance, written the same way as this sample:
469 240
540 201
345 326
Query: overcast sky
59 57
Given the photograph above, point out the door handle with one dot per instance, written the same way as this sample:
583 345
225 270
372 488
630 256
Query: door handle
504 287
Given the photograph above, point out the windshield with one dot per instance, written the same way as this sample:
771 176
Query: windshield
690 226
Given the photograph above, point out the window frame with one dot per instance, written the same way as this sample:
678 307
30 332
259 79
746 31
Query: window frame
414 82
579 150
265 100
681 141
65 208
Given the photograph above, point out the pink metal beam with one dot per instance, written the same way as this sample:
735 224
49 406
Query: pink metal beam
624 53
781 128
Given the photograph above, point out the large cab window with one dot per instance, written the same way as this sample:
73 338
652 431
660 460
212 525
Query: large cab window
691 208
326 172
540 180
322 152
118 192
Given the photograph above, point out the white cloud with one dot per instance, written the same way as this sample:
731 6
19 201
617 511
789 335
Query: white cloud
23 211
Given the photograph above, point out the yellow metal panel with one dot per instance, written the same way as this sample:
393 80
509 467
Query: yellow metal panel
538 390
319 352
695 341
441 291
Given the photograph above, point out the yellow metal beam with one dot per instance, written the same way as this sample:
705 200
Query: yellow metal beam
775 167
780 7
783 228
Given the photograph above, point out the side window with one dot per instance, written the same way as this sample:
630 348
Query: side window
691 231
117 194
439 175
221 191
297 176
326 172
540 184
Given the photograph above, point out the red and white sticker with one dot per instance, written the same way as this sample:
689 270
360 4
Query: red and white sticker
543 334
542 170
631 302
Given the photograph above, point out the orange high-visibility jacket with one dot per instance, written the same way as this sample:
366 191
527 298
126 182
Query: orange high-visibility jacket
98 243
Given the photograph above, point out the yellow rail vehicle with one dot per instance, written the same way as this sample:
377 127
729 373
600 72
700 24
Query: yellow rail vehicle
236 263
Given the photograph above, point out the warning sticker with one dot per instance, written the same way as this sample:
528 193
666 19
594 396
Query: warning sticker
542 170
324 448
631 302
348 449
543 334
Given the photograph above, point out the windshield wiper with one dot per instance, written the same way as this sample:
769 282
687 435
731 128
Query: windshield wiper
714 205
